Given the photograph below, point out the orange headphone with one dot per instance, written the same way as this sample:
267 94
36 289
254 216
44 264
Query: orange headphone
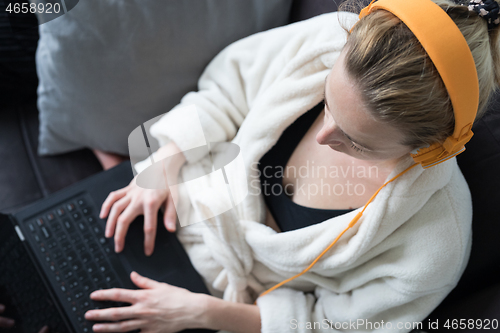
448 50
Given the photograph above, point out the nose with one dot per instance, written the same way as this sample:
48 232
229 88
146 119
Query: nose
329 134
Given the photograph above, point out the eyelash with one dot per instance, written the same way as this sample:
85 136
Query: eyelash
359 150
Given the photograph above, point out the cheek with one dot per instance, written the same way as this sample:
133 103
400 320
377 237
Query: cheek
385 155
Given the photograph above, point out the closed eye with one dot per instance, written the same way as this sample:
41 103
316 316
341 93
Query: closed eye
353 146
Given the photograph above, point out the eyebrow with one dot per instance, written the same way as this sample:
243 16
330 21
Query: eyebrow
345 134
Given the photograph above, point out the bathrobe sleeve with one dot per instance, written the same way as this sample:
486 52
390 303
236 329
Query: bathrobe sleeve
377 306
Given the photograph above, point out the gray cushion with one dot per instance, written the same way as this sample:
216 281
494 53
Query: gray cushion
107 66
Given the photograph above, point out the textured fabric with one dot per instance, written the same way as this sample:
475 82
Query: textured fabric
479 164
396 264
488 10
18 80
306 9
27 177
273 165
105 67
473 296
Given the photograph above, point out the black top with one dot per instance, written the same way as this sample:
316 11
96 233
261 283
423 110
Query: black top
287 214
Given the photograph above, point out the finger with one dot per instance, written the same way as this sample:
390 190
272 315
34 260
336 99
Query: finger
123 326
112 198
164 210
115 294
150 222
143 282
44 329
2 308
170 214
6 322
122 225
116 210
111 314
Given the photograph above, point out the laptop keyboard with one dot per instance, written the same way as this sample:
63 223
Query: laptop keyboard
27 303
79 258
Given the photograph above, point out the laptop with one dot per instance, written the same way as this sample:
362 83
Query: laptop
53 254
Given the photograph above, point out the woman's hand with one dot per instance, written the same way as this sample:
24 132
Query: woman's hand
124 205
157 307
9 323
4 321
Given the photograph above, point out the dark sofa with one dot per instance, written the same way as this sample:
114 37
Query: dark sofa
26 177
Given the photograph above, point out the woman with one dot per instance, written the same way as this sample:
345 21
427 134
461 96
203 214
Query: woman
383 98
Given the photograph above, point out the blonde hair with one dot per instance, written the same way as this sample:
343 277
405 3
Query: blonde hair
398 81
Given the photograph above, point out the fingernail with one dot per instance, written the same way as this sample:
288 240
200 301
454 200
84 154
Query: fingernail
10 322
96 327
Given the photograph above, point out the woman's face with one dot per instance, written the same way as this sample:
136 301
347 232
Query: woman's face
350 128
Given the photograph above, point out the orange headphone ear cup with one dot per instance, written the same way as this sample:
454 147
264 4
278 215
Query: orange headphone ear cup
433 155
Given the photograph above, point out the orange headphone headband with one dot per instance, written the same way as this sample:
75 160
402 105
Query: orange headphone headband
449 52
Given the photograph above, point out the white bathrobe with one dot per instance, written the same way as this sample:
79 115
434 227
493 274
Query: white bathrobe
390 270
